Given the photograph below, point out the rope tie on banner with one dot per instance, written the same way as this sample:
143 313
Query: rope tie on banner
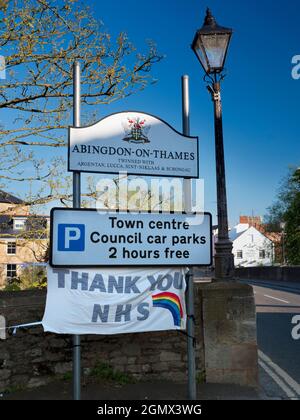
16 327
189 336
192 317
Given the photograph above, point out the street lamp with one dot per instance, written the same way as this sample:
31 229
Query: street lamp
283 226
210 45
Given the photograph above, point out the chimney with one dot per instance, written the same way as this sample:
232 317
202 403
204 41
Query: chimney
254 221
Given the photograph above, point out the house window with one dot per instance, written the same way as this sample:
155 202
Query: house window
19 224
262 254
11 271
239 255
11 247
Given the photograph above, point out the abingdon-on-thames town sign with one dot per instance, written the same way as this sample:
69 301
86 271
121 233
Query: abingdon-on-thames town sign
136 143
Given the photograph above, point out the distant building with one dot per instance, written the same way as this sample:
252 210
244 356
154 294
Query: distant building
23 237
251 247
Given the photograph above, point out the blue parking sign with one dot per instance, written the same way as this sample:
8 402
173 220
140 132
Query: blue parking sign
71 237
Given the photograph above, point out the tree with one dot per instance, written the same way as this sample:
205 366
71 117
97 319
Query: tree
31 277
40 40
287 210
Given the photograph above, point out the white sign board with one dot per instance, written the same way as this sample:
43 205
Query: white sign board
91 238
118 301
136 143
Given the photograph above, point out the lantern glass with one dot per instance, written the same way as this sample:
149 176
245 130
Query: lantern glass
211 44
215 47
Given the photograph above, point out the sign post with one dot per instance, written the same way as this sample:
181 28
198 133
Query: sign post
192 388
76 205
139 144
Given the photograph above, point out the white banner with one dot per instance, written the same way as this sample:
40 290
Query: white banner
115 301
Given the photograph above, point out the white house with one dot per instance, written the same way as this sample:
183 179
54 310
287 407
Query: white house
251 247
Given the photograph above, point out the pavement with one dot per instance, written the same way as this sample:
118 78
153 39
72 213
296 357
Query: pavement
277 304
151 391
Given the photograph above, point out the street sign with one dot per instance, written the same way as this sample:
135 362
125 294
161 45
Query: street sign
136 143
91 238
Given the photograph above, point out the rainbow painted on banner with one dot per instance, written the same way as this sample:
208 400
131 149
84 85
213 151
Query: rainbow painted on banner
171 302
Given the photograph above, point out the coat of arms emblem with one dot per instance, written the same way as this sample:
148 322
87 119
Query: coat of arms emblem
136 130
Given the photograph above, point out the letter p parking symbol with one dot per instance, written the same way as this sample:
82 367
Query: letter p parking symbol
71 238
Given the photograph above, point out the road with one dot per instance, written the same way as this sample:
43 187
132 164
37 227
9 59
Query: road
277 303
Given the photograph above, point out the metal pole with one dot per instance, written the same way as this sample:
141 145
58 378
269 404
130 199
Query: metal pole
187 183
76 204
224 261
283 247
192 388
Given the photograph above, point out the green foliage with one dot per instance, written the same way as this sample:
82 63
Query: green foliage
30 278
287 209
67 376
292 230
13 285
200 377
14 388
105 372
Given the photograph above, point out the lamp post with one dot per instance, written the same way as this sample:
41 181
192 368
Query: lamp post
283 225
210 45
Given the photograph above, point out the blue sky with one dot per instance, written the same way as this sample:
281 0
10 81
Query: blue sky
260 98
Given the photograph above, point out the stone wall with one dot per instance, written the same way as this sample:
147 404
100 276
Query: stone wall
230 343
225 337
32 357
286 273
